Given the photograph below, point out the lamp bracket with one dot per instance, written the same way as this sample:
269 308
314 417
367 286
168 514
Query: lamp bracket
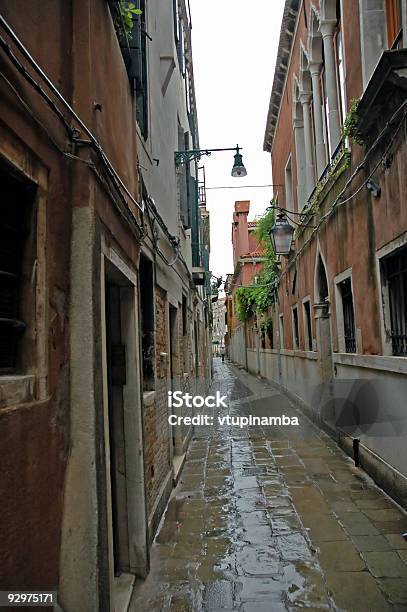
185 157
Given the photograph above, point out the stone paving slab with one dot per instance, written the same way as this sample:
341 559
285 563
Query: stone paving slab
273 519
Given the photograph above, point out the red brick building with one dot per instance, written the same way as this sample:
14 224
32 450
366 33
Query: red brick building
341 314
248 258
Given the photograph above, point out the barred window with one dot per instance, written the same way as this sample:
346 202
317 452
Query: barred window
16 202
348 315
308 325
394 268
296 333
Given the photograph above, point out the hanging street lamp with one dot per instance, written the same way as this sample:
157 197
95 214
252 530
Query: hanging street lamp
185 157
281 235
238 167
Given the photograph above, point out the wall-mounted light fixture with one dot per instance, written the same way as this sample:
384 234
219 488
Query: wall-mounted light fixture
281 235
374 188
185 157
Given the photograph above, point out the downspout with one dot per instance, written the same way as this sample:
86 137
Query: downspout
246 362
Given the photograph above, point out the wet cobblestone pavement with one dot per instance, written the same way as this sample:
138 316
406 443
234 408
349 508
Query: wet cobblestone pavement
266 519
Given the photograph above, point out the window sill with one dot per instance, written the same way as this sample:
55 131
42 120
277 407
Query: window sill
16 390
374 362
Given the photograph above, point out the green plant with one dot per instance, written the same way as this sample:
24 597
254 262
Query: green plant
350 127
261 295
267 326
127 11
245 301
263 227
341 164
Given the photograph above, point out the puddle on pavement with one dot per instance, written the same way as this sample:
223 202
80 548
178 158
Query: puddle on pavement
233 536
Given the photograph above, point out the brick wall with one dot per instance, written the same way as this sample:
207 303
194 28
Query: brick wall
156 429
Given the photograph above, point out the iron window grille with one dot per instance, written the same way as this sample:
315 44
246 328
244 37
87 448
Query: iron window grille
396 277
134 51
307 309
16 196
348 316
296 328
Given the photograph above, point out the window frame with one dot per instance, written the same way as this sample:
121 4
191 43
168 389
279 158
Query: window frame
340 72
288 181
385 315
295 327
325 112
340 315
31 382
281 330
308 339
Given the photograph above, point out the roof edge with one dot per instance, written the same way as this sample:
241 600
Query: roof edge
288 25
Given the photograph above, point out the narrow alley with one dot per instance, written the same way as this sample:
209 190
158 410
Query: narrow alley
273 518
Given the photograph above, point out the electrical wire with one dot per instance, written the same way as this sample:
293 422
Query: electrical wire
109 169
93 141
242 186
130 221
338 201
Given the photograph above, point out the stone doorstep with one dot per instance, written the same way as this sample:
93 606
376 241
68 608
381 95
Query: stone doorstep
122 591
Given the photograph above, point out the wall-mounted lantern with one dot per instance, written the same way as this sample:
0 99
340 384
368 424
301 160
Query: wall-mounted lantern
281 235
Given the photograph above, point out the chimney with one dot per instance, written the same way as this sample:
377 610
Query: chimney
241 235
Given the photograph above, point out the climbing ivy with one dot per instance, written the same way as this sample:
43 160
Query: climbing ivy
341 164
267 326
350 128
261 295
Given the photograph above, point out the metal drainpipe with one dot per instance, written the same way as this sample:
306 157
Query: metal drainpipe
258 343
245 346
277 325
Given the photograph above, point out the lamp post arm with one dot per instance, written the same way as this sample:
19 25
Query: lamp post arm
184 157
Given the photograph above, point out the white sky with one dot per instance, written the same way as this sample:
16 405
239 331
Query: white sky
234 45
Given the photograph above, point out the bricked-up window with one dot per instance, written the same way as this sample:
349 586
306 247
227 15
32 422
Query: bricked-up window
394 268
16 206
147 321
345 289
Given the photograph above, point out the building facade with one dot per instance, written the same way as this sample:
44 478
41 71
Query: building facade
104 286
336 131
219 326
248 259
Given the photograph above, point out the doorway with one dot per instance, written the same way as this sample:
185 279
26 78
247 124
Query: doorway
116 379
125 489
